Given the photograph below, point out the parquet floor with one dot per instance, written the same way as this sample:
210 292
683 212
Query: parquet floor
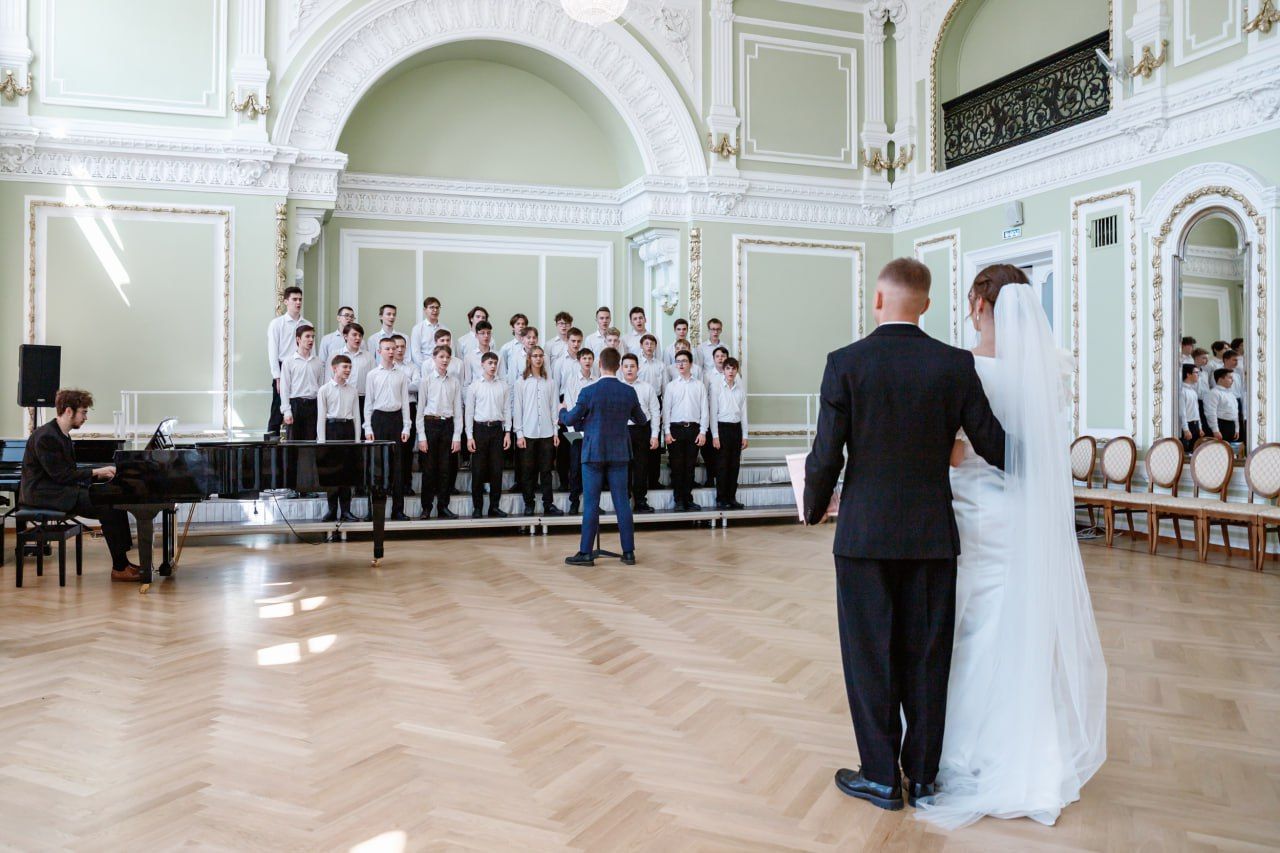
478 694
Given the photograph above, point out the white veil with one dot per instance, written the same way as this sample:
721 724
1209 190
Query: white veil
1043 732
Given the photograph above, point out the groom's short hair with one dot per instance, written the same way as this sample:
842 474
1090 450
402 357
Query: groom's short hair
908 273
610 359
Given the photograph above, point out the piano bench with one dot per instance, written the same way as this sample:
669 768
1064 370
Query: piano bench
41 526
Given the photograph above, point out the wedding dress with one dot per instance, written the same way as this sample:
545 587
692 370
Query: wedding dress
1026 702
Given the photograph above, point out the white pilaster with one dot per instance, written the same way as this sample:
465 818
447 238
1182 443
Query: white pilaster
659 249
723 120
250 73
308 222
15 56
1151 28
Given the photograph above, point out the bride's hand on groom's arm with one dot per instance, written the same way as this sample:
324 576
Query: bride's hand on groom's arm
957 454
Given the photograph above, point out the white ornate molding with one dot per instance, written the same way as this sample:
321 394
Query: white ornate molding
950 241
15 56
723 119
1213 262
176 163
673 29
249 72
649 199
379 35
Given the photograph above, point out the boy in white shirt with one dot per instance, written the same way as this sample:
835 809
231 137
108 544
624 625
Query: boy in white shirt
559 345
467 343
362 361
423 335
638 329
335 342
682 341
487 409
386 412
336 418
684 417
1220 407
300 378
705 355
1231 361
413 377
612 340
653 371
644 437
439 428
573 387
1188 346
1189 409
712 375
519 323
281 342
596 340
728 432
387 315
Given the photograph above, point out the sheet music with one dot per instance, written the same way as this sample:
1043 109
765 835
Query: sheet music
795 467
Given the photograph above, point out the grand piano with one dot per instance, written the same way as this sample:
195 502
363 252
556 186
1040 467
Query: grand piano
152 481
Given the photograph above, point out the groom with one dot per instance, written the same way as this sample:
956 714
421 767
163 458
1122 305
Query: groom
896 400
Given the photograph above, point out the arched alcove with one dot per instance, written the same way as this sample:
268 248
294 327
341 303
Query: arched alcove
379 36
490 111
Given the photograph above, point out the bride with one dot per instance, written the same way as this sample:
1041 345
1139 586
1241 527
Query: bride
1026 703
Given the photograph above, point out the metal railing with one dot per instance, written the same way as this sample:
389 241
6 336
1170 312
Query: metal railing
781 429
128 422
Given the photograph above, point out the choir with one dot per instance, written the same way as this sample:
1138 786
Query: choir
442 400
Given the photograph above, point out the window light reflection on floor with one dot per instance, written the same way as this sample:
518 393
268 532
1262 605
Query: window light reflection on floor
292 652
388 842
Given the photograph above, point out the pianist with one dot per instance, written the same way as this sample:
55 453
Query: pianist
51 480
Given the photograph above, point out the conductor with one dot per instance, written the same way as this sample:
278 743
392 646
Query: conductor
601 413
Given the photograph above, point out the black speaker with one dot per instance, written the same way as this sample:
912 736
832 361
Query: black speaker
39 370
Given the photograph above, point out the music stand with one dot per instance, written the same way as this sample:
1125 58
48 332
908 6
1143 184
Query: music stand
573 437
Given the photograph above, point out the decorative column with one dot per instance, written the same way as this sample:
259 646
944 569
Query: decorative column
249 73
15 64
723 120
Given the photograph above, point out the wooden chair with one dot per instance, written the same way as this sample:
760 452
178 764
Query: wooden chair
1262 472
1119 459
1211 467
1084 458
1164 464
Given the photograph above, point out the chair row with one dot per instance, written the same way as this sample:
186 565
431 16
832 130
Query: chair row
1212 464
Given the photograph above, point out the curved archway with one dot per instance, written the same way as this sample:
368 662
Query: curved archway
1180 202
382 35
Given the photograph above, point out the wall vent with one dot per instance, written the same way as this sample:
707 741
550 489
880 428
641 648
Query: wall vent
1106 230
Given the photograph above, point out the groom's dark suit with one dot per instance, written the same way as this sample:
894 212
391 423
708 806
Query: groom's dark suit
895 401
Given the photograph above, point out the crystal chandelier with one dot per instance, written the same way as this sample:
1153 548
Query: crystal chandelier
594 12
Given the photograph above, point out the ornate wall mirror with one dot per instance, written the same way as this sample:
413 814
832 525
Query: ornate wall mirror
1210 268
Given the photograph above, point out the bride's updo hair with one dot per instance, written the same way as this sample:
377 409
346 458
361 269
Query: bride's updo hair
991 281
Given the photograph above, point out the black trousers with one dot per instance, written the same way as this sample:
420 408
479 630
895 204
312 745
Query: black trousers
1194 429
575 469
638 473
304 410
340 430
387 427
1240 421
434 464
683 456
408 451
1228 430
537 460
275 419
562 459
655 467
115 526
486 464
710 460
897 620
455 459
729 458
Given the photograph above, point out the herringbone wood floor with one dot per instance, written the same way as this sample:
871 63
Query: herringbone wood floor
478 694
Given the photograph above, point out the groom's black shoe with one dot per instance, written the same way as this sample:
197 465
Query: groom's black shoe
853 783
917 791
